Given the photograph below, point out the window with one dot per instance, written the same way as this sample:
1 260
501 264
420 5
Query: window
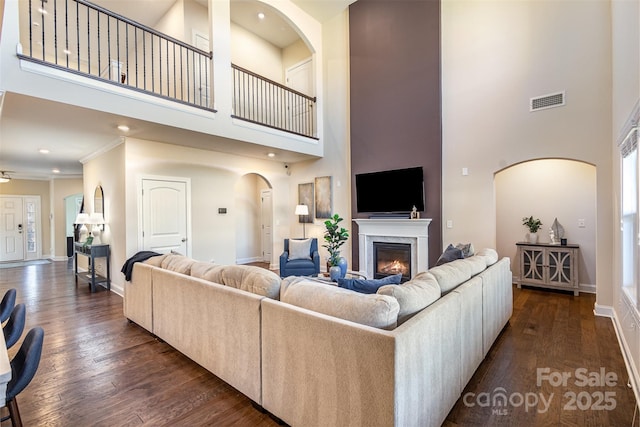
629 212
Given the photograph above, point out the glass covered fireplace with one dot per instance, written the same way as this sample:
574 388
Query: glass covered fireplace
392 258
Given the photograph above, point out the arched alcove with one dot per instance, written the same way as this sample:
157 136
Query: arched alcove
253 214
548 189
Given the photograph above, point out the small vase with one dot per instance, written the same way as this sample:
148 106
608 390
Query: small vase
533 237
342 263
334 273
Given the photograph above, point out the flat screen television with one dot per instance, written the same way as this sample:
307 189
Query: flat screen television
392 191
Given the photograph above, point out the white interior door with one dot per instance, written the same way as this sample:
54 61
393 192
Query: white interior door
300 78
11 229
164 216
266 214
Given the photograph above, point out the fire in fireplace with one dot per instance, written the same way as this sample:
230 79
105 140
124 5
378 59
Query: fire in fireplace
392 258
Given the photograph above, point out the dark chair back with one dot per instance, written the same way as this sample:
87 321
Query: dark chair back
25 363
15 325
7 304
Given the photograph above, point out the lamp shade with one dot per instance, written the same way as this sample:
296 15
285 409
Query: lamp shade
96 218
82 218
302 210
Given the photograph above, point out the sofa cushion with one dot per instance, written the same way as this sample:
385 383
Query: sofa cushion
451 253
414 295
472 265
299 249
379 311
177 263
451 275
369 286
201 269
489 255
156 261
251 278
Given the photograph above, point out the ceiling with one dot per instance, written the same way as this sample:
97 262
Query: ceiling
27 122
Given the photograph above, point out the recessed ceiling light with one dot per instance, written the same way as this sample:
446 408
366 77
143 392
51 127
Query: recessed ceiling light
123 128
260 15
43 151
55 170
271 154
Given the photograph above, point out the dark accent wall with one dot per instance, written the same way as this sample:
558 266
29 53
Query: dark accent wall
395 99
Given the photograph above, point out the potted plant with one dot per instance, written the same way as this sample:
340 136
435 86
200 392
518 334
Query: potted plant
334 237
533 225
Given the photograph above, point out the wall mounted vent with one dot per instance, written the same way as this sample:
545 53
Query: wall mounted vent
546 101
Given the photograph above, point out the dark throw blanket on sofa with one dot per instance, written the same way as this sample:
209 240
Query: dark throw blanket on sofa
127 268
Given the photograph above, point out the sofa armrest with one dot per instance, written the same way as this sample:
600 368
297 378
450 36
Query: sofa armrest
317 369
325 371
284 257
316 260
137 301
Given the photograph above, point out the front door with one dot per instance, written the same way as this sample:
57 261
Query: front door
11 229
164 216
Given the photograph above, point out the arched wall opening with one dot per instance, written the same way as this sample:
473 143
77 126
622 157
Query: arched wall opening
250 217
548 189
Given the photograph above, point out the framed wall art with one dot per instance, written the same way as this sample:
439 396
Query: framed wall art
305 197
324 202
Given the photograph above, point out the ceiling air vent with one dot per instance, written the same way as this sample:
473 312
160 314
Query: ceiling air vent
547 101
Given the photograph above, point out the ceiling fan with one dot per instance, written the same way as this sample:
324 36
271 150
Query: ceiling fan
5 177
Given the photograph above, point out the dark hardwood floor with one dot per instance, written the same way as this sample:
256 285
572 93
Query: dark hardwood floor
98 369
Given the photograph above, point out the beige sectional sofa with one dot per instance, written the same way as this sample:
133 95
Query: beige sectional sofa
211 313
314 354
321 370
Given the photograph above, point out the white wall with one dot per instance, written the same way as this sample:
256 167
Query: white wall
625 18
548 189
107 170
495 57
214 178
336 162
255 54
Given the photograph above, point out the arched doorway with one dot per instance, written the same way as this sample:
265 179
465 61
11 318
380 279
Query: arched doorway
254 241
548 189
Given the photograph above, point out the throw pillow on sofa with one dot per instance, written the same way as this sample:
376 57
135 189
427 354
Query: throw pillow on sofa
299 249
467 249
450 254
369 286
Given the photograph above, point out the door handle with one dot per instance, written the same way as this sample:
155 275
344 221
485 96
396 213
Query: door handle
184 239
19 228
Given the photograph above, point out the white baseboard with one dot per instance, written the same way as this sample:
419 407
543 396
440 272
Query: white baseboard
587 288
60 258
603 310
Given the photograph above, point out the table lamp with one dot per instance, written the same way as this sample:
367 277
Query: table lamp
302 210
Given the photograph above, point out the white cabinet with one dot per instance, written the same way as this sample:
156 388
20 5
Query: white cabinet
549 266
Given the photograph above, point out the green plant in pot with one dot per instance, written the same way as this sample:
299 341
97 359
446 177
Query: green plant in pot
533 225
334 237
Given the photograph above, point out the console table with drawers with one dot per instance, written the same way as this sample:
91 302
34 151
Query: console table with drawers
548 265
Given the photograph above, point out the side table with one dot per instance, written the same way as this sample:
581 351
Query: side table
92 252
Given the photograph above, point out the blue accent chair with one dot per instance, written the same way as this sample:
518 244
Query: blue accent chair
23 368
300 267
15 325
7 304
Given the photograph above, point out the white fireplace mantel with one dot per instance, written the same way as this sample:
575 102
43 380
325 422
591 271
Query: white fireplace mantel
413 231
